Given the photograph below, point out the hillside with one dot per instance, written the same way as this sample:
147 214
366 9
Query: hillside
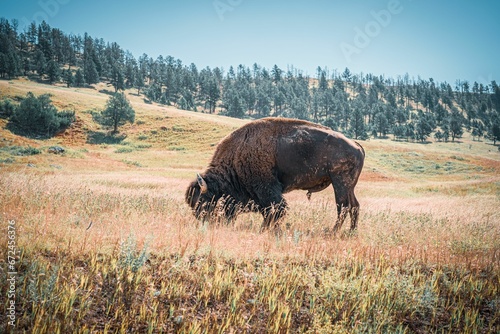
179 133
181 142
360 105
106 242
159 128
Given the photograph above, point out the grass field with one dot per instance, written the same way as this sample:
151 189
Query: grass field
106 243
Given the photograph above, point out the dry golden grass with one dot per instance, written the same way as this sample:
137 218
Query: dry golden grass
113 251
108 245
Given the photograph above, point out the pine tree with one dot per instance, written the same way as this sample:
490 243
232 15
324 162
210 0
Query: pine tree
446 132
494 127
357 123
213 94
455 123
299 108
118 112
90 72
347 76
182 103
138 82
233 104
424 127
323 83
53 71
79 78
40 62
263 103
438 135
68 77
3 64
381 123
495 133
276 72
117 79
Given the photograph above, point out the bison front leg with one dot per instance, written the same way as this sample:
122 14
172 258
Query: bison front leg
273 214
271 204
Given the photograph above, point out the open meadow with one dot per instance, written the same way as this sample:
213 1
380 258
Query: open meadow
107 244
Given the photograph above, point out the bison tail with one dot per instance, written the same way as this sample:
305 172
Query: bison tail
361 147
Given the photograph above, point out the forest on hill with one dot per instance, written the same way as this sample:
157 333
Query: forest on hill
360 105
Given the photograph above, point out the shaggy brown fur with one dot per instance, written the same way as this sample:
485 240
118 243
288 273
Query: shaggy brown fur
253 166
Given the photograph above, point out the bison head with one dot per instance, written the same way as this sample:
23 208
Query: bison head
208 199
202 198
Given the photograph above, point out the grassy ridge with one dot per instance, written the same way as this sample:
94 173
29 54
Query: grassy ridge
108 245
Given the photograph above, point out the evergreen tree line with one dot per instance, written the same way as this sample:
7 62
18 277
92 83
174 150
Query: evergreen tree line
360 105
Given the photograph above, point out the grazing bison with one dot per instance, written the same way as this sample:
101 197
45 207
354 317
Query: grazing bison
255 165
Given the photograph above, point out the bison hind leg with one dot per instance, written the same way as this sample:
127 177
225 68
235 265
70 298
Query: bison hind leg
353 210
341 215
345 202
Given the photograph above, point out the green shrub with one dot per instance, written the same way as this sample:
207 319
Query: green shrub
132 163
21 151
176 148
37 117
28 151
99 138
123 150
6 108
132 257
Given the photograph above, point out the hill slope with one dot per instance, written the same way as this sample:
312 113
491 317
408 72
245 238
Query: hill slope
184 134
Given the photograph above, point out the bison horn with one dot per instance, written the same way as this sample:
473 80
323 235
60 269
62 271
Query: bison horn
202 184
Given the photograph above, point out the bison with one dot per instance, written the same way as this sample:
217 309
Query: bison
255 165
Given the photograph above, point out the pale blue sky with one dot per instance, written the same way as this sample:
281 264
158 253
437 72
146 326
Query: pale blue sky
445 40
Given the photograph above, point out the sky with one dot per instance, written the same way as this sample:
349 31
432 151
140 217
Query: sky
444 40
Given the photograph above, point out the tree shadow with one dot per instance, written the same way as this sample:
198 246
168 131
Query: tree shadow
107 91
99 137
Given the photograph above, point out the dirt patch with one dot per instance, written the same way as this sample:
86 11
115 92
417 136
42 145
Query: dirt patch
375 176
486 163
75 135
